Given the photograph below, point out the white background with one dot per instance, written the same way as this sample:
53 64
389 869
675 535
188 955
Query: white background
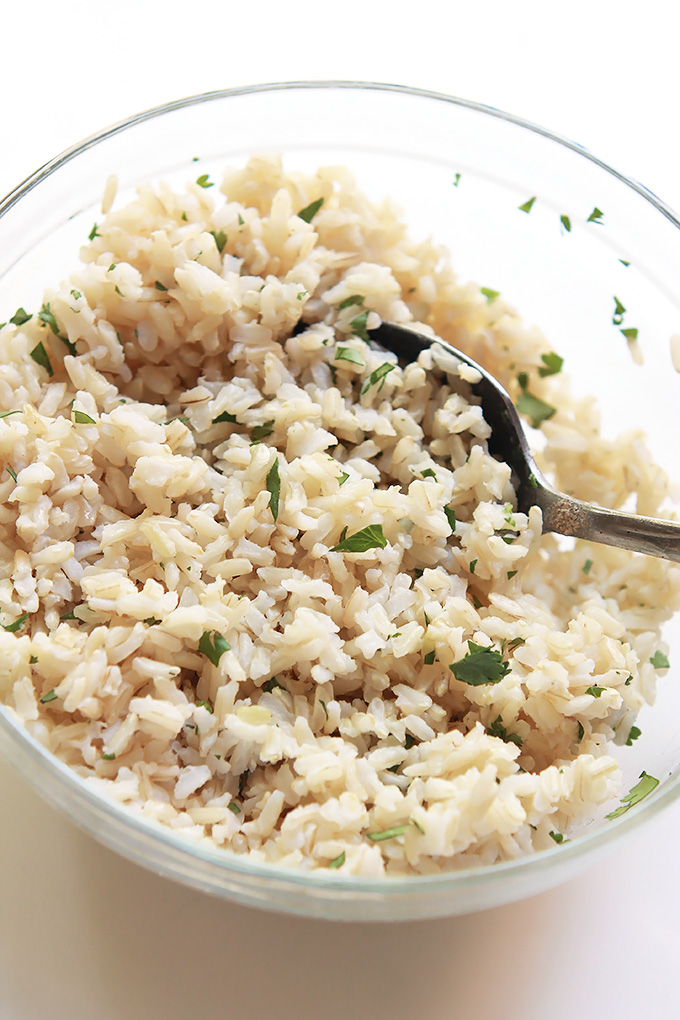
84 934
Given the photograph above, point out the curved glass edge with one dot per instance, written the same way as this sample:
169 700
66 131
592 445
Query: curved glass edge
316 883
205 97
317 880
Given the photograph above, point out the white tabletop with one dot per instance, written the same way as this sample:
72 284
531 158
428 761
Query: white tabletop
85 934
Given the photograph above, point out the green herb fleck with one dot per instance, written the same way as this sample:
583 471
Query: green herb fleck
93 233
428 473
628 681
234 808
489 294
557 836
566 222
309 212
497 729
451 517
581 731
159 286
20 317
526 206
206 705
378 376
552 364
480 666
225 416
271 684
641 790
456 180
33 659
11 472
536 410
635 732
353 299
213 648
342 478
12 628
274 488
68 616
595 216
338 861
595 691
619 311
473 564
659 661
370 537
83 419
241 221
349 354
586 566
429 658
40 356
378 837
262 431
50 696
358 326
409 741
630 334
511 574
151 621
108 756
204 181
624 263
220 239
323 705
45 315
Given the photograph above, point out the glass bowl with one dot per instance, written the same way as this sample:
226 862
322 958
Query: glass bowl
461 173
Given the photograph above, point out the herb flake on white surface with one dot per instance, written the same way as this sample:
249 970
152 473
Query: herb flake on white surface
309 212
213 645
641 790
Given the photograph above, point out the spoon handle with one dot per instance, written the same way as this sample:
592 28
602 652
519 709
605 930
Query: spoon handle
568 516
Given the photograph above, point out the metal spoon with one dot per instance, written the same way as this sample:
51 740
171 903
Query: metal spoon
561 513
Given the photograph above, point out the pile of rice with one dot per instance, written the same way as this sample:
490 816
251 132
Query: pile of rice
179 624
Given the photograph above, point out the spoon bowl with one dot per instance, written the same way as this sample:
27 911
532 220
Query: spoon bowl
562 514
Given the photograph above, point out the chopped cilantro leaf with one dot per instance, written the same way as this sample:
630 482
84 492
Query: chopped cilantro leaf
213 648
480 666
50 696
93 233
151 621
526 206
241 221
659 661
225 416
552 364
262 431
33 659
619 311
595 216
511 574
6 414
358 326
323 705
489 294
595 691
204 181
428 473
45 315
581 731
536 410
206 705
378 376
309 212
456 180
12 628
635 732
451 517
271 684
338 861
159 286
107 756
428 659
641 789
378 837
342 478
586 566
557 836
353 299
83 419
75 294
409 741
624 263
370 537
20 317
497 729
234 808
274 488
566 222
349 354
630 334
220 239
627 682
40 356
473 564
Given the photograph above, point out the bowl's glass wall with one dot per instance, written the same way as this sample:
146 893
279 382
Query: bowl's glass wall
460 173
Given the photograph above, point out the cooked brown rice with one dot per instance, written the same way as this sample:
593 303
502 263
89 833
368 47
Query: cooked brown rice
210 658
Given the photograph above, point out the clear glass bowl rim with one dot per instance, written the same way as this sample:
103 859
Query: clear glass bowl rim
319 879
